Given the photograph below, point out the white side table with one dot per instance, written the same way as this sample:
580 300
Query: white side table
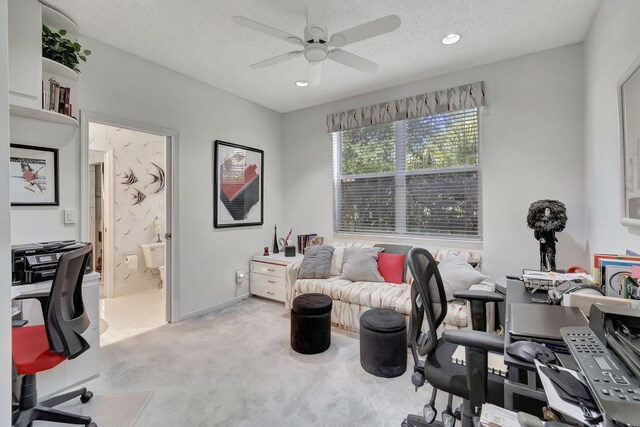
267 278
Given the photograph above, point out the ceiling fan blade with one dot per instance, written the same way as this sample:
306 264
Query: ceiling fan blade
317 14
314 73
353 61
275 59
265 29
365 31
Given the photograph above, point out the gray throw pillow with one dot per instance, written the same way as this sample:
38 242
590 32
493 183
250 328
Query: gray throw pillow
316 263
361 265
458 275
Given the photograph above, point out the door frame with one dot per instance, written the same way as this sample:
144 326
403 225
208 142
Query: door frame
108 219
171 166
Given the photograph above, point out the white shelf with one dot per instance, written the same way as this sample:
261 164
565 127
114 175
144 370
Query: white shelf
53 67
39 114
56 21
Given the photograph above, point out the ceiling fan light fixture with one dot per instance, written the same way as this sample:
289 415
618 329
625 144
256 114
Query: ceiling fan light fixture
302 83
450 39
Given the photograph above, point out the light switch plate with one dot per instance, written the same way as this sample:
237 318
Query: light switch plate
69 216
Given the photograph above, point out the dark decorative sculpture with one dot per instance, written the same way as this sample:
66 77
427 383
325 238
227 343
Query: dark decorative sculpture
275 240
546 218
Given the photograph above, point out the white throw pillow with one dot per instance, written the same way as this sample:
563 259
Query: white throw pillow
336 261
458 275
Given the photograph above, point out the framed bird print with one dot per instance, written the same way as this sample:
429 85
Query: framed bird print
238 185
33 176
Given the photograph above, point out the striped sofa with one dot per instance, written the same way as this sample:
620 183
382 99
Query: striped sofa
351 299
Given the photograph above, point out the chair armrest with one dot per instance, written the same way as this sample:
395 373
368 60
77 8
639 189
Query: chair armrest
42 297
483 296
475 339
478 301
291 275
34 295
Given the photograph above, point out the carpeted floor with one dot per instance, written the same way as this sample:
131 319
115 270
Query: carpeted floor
234 367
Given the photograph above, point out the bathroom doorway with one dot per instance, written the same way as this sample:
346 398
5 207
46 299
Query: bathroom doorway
128 220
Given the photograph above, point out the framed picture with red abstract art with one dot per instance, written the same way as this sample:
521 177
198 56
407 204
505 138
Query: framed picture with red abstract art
238 185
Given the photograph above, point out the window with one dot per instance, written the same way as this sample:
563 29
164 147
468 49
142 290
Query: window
411 177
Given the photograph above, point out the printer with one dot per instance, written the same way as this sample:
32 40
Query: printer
37 262
608 355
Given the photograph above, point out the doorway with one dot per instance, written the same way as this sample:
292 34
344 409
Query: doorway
127 215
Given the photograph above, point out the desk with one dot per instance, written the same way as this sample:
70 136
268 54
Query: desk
86 366
522 379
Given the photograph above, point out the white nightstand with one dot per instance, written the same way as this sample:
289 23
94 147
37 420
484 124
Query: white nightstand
268 275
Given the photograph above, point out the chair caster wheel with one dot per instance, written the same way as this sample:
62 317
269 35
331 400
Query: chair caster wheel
448 419
429 413
457 414
92 424
405 423
86 397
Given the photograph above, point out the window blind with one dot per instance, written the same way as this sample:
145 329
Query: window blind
410 177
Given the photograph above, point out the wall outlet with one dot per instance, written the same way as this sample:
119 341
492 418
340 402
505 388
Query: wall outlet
239 277
69 216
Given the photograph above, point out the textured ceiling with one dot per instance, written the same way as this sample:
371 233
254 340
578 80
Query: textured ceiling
198 38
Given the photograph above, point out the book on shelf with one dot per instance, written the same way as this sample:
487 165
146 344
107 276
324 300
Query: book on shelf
304 241
56 98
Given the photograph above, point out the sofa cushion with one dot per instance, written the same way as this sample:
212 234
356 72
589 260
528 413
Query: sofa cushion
361 264
338 254
391 267
457 275
316 263
400 250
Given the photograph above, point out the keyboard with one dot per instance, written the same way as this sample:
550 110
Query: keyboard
615 390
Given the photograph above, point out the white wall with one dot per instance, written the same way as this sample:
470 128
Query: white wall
532 148
5 268
610 49
119 84
44 223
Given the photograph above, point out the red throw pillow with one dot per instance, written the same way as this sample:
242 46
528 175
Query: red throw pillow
391 267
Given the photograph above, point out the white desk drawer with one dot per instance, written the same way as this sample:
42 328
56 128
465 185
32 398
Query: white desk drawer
265 289
266 280
269 269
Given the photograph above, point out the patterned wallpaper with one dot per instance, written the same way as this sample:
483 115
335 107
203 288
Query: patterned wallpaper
139 164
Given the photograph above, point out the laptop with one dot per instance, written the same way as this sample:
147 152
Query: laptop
543 322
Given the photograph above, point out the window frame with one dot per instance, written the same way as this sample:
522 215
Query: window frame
400 175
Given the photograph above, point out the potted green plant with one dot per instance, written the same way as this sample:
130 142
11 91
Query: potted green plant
62 50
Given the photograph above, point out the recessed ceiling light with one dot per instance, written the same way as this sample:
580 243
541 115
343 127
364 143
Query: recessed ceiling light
451 39
302 83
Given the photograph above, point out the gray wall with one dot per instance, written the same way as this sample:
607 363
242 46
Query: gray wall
531 148
5 268
610 49
119 84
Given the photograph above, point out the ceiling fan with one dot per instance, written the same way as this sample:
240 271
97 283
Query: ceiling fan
317 45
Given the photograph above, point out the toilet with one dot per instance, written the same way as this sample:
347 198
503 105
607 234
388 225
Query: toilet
154 257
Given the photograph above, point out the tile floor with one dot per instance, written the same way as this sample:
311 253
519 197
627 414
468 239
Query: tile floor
129 315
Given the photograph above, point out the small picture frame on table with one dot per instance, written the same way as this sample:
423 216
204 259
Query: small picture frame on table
33 176
238 185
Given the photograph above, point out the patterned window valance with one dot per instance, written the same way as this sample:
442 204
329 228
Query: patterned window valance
454 99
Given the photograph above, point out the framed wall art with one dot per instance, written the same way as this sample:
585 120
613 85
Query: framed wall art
629 106
238 185
33 176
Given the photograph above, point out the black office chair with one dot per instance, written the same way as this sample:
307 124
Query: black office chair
39 348
471 381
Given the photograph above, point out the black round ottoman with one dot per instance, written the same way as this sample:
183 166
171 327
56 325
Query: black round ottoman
311 323
383 343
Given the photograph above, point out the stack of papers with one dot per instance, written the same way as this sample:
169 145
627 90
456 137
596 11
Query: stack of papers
495 416
553 277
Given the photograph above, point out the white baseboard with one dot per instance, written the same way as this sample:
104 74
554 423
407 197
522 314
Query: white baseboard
213 308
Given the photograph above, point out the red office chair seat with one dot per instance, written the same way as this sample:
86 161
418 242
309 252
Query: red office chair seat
31 352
